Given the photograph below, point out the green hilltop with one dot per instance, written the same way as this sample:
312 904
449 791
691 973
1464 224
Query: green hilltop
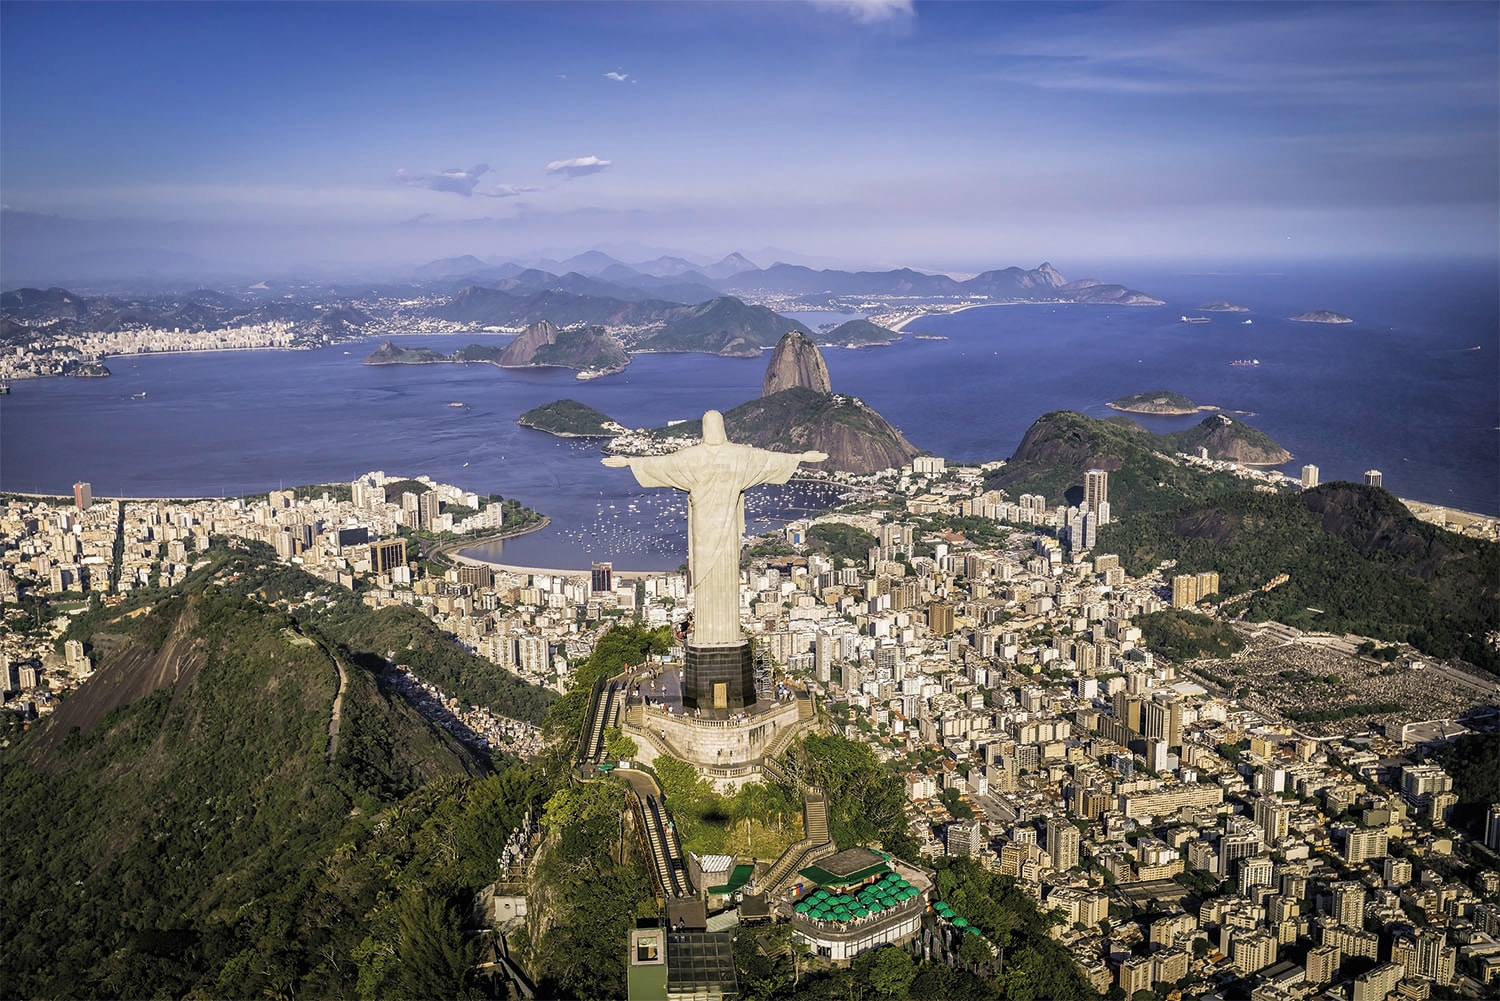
1357 561
570 419
235 842
1061 446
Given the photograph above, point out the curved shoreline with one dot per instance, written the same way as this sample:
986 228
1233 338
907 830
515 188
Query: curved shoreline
1203 408
451 549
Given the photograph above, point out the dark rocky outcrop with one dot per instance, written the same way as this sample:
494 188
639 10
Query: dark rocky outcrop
795 362
390 353
527 343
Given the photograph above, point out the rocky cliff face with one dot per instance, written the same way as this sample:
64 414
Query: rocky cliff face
522 350
795 362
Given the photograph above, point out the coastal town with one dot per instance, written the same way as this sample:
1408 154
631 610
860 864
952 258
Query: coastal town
1194 823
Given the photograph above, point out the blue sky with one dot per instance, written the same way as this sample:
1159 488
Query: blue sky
941 136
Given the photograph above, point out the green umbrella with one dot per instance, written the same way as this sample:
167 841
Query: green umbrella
972 930
960 922
820 894
802 907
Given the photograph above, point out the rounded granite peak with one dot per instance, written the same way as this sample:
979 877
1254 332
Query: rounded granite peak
796 362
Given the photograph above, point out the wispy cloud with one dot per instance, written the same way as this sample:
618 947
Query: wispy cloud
619 77
870 11
578 166
1282 55
507 190
454 180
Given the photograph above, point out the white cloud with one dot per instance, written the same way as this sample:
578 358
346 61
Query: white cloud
507 190
870 11
578 166
459 182
619 77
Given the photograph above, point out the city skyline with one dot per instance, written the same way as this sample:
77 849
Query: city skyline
940 136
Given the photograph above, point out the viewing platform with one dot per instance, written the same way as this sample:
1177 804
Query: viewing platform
729 748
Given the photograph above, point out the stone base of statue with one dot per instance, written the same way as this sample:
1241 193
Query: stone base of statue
718 679
727 752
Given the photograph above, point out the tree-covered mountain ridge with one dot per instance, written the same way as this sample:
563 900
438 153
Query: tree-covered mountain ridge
263 816
1061 446
1356 561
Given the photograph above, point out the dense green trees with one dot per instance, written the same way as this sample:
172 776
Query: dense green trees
866 802
1180 635
1356 559
842 543
225 849
622 645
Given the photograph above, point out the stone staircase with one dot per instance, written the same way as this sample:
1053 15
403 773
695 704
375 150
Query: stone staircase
814 845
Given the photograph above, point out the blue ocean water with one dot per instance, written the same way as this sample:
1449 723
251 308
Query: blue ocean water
1411 388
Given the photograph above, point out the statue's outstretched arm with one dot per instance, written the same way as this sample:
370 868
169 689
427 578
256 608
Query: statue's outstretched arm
814 456
616 461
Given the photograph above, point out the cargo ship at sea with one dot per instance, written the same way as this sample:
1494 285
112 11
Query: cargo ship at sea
1245 361
1193 319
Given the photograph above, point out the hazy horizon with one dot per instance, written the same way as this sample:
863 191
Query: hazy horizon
358 138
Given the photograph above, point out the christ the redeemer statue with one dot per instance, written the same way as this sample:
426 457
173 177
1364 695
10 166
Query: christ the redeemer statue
715 475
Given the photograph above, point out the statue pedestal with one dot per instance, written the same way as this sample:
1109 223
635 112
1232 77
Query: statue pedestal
718 678
729 753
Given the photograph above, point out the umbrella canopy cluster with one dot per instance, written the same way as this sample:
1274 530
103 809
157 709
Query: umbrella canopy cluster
943 910
880 895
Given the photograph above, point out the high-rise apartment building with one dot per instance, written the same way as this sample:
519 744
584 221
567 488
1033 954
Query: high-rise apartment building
1322 964
428 506
1252 951
1492 828
966 839
1365 843
1374 985
1062 842
1309 476
602 577
1348 903
1273 816
83 495
1096 491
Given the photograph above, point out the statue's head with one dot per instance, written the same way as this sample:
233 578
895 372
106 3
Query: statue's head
713 429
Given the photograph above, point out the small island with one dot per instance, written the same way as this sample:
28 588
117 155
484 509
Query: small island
1321 316
861 334
389 353
570 419
1159 402
90 370
1220 306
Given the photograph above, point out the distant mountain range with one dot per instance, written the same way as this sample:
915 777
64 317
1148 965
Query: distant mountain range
665 304
599 274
